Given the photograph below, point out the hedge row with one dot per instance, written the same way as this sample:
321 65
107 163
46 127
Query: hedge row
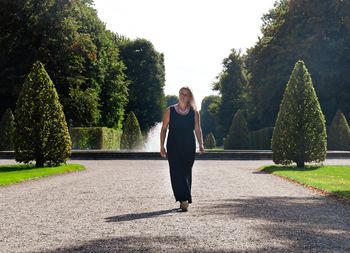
261 139
95 138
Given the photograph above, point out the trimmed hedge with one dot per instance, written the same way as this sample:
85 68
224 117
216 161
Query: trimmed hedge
261 139
132 137
210 141
95 138
41 131
300 132
339 133
238 136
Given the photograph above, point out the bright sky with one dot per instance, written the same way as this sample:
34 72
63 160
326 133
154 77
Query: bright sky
194 35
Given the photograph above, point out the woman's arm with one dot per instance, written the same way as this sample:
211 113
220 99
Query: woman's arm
198 131
163 130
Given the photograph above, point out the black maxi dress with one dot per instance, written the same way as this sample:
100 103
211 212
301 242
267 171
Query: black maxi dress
181 150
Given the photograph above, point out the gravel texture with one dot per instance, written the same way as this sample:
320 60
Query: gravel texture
128 206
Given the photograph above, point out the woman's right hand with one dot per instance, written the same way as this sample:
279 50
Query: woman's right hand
163 152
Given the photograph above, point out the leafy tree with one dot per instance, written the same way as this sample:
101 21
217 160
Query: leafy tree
339 133
7 126
315 31
210 141
131 136
300 133
209 116
41 131
171 99
146 71
83 107
232 85
238 136
77 50
114 90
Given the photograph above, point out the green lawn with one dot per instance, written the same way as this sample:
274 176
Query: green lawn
10 174
334 179
216 148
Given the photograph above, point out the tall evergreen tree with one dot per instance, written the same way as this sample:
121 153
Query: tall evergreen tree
41 131
7 126
131 137
339 133
300 133
210 141
238 136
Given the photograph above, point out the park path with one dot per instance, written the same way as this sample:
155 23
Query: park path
128 206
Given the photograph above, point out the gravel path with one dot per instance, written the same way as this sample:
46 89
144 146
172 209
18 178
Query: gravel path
128 206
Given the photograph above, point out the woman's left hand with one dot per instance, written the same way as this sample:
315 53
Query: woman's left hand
201 149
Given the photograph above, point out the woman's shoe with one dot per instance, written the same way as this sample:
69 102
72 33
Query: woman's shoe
184 205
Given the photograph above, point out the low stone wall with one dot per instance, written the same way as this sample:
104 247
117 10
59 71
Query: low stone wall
208 155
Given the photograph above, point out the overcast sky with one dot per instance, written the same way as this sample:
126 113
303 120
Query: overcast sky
194 35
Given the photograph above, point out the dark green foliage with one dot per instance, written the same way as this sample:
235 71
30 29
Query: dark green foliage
96 138
339 133
209 116
146 71
7 126
171 99
78 53
313 30
238 136
210 141
41 131
300 133
232 85
261 139
114 90
131 137
83 107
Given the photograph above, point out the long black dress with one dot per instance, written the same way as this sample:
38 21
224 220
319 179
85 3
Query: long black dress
181 150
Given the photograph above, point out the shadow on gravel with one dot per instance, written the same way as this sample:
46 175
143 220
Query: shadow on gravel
136 216
156 244
308 223
304 224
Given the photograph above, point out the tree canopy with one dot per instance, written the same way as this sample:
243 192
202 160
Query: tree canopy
317 32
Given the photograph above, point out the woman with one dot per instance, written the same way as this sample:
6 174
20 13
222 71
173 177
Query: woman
182 119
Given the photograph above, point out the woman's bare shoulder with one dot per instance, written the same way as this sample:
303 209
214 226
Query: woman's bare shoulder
167 109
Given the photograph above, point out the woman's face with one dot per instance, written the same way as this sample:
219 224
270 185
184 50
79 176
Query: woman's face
184 96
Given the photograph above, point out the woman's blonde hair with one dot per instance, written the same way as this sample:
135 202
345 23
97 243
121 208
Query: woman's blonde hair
192 100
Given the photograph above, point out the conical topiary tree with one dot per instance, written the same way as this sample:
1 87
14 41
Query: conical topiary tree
7 126
41 131
238 135
210 141
339 133
300 133
131 137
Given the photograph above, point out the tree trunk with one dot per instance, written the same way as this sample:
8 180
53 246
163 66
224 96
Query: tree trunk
39 162
300 164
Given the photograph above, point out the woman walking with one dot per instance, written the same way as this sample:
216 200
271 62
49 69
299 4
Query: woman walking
182 119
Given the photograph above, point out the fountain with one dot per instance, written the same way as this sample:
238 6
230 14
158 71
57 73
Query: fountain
152 140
